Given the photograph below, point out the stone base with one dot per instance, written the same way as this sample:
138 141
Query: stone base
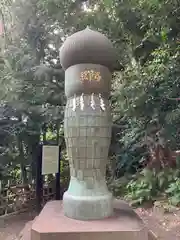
51 224
88 208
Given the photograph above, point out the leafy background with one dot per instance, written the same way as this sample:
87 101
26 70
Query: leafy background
144 96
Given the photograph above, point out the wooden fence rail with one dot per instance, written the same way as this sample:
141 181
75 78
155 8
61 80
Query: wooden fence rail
23 198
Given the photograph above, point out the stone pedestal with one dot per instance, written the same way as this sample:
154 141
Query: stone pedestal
51 224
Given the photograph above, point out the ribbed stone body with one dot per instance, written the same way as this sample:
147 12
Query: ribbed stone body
87 135
87 58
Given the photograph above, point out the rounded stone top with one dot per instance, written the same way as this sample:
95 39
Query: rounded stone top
87 46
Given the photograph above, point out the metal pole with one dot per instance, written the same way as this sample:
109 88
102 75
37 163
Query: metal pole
39 179
58 175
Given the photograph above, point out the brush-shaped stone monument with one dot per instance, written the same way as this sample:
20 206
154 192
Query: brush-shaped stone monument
87 58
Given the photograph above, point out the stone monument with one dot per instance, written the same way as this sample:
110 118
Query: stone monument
88 210
87 58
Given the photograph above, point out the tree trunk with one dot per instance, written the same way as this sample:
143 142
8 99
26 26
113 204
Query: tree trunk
34 151
57 133
44 130
22 159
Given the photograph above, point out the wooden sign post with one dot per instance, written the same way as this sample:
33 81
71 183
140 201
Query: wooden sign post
48 162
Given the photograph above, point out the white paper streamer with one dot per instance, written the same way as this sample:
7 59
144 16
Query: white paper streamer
92 101
82 102
102 104
74 103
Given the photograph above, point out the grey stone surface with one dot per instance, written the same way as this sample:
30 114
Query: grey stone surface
87 135
87 57
87 79
87 46
89 207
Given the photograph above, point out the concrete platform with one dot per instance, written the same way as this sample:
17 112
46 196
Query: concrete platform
51 224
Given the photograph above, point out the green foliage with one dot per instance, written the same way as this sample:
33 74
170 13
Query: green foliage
32 87
146 112
118 186
144 188
173 192
148 186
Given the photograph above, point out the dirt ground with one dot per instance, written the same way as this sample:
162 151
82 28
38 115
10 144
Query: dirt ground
164 226
11 228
